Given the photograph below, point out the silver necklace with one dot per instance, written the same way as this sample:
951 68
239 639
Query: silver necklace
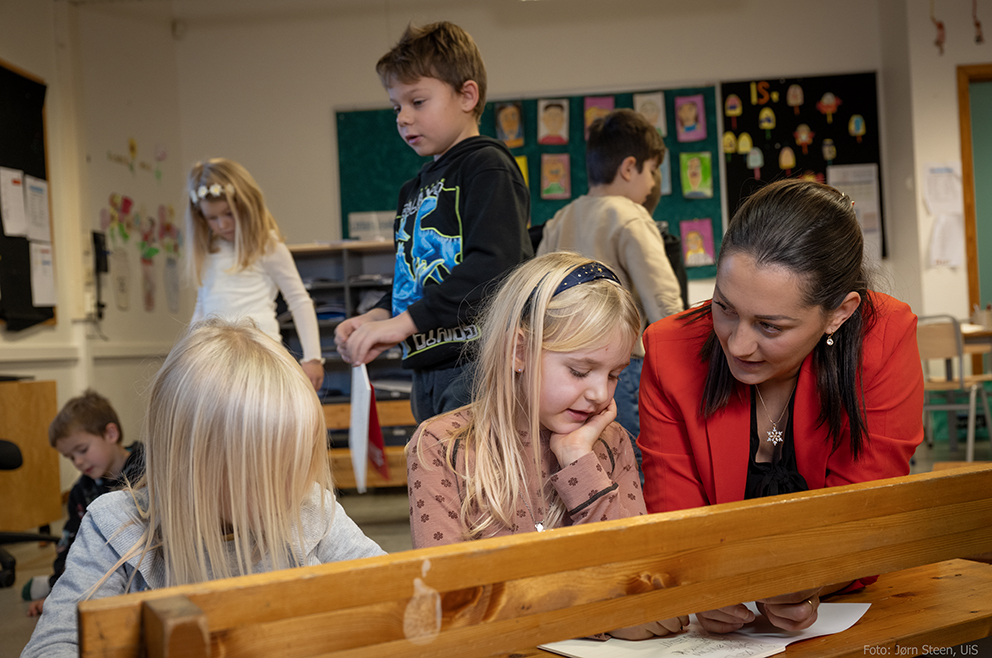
538 525
774 435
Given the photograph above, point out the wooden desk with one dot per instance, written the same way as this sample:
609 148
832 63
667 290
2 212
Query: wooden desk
31 494
977 343
936 605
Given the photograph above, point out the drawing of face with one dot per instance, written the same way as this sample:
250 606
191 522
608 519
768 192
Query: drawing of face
694 242
553 118
594 113
688 115
553 171
694 172
650 111
509 121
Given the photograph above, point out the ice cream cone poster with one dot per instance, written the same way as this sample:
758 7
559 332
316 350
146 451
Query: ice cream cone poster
595 107
856 126
755 161
690 118
652 108
794 97
697 175
697 242
828 106
729 144
556 179
803 136
552 121
510 124
733 108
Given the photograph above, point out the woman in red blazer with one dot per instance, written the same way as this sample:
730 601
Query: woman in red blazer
793 377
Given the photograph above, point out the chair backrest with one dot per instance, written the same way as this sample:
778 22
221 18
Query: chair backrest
939 337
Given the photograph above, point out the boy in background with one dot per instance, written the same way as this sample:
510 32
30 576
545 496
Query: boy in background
87 432
611 225
461 222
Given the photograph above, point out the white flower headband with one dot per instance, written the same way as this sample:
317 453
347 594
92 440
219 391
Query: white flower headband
214 190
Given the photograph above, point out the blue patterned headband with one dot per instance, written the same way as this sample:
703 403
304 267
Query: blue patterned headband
585 273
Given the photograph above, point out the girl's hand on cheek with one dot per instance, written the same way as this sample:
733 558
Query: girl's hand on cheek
574 445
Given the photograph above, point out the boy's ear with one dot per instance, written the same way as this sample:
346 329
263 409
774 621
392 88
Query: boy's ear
112 433
469 95
628 168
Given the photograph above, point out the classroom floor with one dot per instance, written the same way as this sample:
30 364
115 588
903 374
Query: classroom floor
382 514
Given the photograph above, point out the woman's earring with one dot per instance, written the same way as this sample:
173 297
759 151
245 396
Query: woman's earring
830 338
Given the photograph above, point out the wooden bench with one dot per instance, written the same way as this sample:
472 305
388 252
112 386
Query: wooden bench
492 597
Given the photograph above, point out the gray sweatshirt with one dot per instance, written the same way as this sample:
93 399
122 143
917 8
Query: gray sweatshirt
112 526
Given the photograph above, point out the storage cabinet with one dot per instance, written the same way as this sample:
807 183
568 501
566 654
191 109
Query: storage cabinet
346 278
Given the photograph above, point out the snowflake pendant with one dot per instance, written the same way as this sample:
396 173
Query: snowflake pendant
774 436
539 526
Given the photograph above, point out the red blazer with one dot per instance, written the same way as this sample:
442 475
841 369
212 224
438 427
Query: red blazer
691 461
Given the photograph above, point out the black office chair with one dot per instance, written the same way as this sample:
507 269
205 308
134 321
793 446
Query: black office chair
10 459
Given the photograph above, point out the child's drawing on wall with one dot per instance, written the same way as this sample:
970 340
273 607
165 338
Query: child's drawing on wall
556 180
697 242
652 108
696 175
509 124
690 118
552 126
596 107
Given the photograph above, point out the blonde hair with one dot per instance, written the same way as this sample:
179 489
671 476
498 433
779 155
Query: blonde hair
235 442
528 316
255 227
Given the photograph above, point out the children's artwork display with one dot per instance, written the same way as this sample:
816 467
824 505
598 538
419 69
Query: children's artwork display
690 118
652 107
697 175
596 107
552 126
509 124
697 242
553 149
556 180
822 128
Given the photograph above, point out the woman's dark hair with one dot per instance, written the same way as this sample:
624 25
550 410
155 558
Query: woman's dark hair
810 229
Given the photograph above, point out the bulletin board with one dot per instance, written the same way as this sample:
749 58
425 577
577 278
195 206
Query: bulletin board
824 128
374 162
22 149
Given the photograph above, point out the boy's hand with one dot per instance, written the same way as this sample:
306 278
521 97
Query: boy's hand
36 607
367 341
651 629
726 619
570 447
791 612
344 330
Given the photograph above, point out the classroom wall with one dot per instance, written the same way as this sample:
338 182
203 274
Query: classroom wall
936 134
230 88
110 77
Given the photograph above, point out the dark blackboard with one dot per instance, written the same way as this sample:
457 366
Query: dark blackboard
826 117
374 162
22 146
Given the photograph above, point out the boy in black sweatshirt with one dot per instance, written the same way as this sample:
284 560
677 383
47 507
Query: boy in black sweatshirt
461 222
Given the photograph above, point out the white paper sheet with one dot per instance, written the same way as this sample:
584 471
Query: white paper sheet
944 192
753 641
860 182
358 431
42 275
12 202
947 241
36 208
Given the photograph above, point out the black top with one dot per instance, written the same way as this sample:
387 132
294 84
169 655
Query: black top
461 225
780 475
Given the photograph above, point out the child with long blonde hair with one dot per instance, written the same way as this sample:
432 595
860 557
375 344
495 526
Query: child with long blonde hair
239 261
237 481
537 447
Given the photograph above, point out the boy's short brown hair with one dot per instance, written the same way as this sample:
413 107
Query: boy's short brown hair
89 412
439 50
617 136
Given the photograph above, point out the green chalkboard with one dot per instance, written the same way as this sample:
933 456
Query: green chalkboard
374 162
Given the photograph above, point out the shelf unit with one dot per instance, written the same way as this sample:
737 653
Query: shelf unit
338 273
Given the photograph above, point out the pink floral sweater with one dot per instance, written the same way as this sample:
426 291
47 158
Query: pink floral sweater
600 486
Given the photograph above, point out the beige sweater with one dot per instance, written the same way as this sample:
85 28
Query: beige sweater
621 234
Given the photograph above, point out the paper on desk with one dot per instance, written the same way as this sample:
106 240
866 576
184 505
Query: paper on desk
358 431
753 641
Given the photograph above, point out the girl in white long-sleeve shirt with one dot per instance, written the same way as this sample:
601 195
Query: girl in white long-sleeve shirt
239 260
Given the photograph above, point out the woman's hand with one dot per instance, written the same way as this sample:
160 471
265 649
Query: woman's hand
574 445
651 629
791 612
725 620
314 370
